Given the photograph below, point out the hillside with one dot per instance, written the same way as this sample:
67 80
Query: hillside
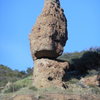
84 60
82 80
76 90
9 75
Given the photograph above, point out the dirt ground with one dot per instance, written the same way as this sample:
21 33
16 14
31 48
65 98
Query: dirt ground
53 97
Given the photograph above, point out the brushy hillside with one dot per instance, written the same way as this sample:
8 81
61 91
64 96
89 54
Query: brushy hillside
17 85
23 88
81 77
26 82
83 61
9 75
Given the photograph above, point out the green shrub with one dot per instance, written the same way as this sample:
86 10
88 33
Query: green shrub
73 81
33 88
92 72
94 89
82 61
25 82
12 88
9 75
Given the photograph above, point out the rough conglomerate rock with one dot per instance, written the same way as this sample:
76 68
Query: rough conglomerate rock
49 34
47 39
48 73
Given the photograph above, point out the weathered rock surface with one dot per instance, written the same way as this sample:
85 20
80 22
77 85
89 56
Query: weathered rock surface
47 39
92 80
49 73
49 34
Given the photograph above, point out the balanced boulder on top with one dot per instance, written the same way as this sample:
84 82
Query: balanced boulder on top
49 34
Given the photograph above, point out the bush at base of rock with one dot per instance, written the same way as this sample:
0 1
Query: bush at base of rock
12 88
33 88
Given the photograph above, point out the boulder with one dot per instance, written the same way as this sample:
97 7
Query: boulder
91 80
49 73
49 34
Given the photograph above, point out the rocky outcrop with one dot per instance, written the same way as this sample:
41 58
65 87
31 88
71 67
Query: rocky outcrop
91 80
47 39
48 73
49 34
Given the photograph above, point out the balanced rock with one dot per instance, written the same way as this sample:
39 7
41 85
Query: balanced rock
49 34
49 73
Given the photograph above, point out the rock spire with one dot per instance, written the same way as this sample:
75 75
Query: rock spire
47 39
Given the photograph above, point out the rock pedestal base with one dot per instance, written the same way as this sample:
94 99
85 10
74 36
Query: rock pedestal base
49 73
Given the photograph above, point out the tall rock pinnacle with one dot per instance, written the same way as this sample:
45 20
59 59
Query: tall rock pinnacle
49 34
47 39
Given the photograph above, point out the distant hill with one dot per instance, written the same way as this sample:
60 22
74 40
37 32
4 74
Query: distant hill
9 75
84 60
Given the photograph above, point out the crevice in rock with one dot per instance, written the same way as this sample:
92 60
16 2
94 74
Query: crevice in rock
64 78
50 78
46 54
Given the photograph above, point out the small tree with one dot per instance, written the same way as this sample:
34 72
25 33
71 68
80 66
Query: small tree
29 71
